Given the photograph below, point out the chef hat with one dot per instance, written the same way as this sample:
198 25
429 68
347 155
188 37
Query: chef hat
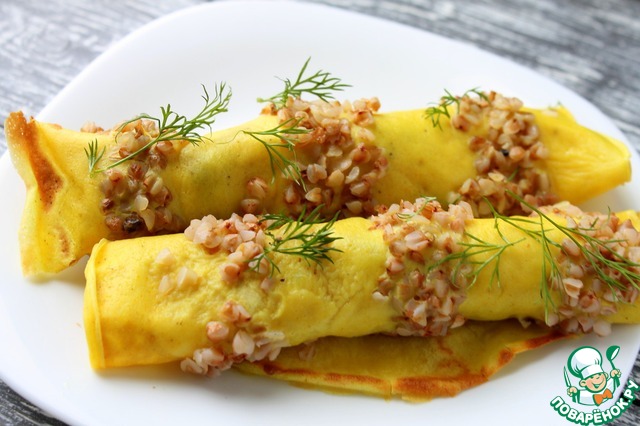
584 362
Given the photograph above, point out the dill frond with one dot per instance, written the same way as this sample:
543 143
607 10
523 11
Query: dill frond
437 111
320 84
296 237
286 133
171 126
93 156
596 251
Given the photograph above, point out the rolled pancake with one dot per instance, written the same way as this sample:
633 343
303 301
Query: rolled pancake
129 321
63 218
412 368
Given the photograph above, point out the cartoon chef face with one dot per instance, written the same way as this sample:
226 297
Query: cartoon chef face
586 363
595 383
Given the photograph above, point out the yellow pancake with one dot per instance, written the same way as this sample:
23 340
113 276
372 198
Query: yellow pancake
62 219
412 368
129 321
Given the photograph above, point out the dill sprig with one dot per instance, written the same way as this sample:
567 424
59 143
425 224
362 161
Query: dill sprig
596 251
473 247
609 266
171 126
320 84
436 112
297 238
93 156
286 133
534 227
476 247
407 216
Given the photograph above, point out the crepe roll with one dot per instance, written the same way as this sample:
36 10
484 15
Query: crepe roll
243 288
346 157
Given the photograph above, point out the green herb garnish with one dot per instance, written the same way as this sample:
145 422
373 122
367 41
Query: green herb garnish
474 246
295 237
407 216
436 112
286 133
171 126
320 84
597 252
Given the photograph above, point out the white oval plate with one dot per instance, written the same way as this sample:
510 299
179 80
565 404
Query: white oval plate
43 354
